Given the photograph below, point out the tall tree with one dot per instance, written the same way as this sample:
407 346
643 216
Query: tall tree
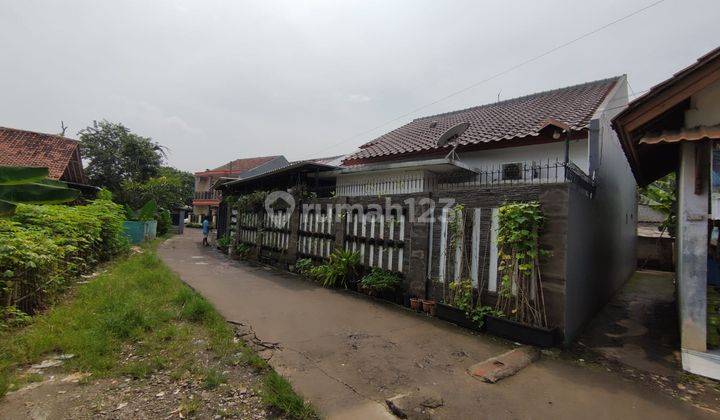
172 188
116 155
185 179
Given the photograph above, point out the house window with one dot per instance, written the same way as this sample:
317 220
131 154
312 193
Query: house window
512 171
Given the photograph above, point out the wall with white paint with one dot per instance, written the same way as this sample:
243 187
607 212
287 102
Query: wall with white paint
391 182
704 107
602 230
493 159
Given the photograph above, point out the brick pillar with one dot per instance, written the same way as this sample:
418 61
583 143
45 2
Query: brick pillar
294 226
340 218
416 249
260 233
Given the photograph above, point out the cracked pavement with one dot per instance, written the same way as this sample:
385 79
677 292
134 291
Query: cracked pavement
347 354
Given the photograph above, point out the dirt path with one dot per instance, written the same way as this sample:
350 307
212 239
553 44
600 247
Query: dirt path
348 354
57 394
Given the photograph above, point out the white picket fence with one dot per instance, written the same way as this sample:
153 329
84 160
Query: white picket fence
248 225
481 269
276 234
312 228
367 230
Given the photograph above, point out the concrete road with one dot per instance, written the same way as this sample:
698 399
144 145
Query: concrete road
347 354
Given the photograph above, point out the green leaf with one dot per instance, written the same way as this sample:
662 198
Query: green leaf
37 193
6 208
147 212
14 175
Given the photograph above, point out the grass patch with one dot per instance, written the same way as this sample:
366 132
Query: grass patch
188 406
138 303
277 392
213 378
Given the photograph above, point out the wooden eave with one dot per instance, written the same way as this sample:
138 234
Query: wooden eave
659 110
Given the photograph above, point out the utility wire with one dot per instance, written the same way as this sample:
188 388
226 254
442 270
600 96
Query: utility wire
496 75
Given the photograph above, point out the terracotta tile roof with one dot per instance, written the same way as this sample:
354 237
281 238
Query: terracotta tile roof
510 119
28 148
239 166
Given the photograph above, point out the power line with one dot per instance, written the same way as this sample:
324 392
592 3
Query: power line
496 75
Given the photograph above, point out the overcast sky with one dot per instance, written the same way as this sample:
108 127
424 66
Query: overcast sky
219 80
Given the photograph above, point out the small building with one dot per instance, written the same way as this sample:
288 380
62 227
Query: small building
555 147
675 127
302 177
207 199
61 155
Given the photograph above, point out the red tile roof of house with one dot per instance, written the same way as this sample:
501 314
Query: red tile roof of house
238 166
28 148
506 120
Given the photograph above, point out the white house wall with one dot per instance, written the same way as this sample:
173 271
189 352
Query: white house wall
540 153
417 181
704 107
602 230
384 183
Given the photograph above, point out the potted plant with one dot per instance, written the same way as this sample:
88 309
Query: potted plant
415 304
429 306
520 310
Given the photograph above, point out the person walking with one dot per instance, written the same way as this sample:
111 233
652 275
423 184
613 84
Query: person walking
206 230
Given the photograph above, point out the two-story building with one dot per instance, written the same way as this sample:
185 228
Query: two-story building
207 199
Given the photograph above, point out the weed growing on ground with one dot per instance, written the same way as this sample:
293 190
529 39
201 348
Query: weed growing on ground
138 301
277 392
213 379
189 406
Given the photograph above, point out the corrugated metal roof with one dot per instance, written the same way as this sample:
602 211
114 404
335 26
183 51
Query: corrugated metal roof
690 134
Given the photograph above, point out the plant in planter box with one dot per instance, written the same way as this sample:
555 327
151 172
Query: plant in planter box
461 294
379 281
341 267
520 298
479 313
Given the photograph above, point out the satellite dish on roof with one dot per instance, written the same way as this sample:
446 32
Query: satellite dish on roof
452 133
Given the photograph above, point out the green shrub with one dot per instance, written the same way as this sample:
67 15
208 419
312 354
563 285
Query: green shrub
380 280
341 267
242 250
164 221
43 248
303 266
224 241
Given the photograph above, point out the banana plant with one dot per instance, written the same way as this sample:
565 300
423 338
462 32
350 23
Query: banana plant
30 185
